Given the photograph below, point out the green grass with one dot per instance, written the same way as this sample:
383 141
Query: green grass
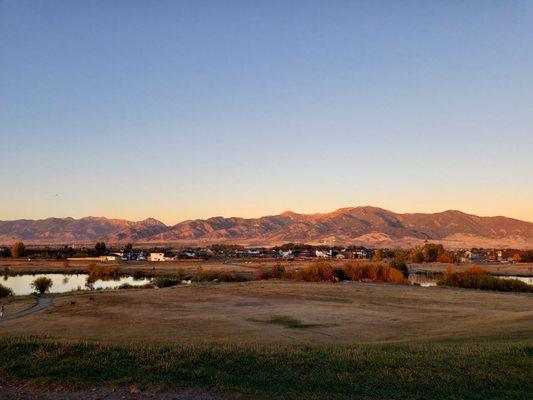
466 369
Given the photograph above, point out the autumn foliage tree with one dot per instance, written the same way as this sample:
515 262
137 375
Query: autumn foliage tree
445 257
416 255
42 284
378 255
431 252
18 250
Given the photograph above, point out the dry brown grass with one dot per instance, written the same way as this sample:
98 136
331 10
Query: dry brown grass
228 313
373 272
15 304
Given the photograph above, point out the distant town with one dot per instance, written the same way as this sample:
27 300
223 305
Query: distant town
101 252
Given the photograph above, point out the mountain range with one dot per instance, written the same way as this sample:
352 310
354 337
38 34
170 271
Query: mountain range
368 226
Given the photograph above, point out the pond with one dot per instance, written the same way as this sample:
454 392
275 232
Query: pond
424 279
431 279
21 284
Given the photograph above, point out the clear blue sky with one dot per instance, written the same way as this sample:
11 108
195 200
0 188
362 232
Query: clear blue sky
189 109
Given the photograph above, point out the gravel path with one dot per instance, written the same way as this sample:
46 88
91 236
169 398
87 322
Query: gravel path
42 303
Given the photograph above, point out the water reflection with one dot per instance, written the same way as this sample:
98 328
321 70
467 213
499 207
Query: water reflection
61 283
424 279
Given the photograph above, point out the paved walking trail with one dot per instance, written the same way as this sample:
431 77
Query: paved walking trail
42 303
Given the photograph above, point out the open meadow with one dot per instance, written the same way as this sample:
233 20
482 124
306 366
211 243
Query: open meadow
262 311
279 339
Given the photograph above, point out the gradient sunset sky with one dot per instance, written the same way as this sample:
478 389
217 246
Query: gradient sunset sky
191 109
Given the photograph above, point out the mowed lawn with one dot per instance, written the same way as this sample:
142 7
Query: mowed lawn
278 339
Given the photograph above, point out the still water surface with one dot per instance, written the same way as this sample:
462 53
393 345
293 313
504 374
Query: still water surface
21 284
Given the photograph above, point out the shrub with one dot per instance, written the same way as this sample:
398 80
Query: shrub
276 272
294 275
449 270
229 277
5 291
224 276
322 271
400 265
126 285
483 281
205 276
138 275
42 284
180 273
318 272
97 272
476 270
165 282
373 272
339 273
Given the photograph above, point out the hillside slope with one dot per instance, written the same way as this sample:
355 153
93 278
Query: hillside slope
369 226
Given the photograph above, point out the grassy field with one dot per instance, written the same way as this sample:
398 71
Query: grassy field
485 368
281 339
239 312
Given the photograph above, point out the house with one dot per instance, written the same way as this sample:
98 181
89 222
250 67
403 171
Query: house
361 254
323 253
189 253
156 257
206 252
286 254
473 256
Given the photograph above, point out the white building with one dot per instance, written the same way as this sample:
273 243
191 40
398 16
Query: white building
323 253
285 254
156 257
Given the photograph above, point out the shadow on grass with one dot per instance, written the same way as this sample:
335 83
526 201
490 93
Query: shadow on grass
289 322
